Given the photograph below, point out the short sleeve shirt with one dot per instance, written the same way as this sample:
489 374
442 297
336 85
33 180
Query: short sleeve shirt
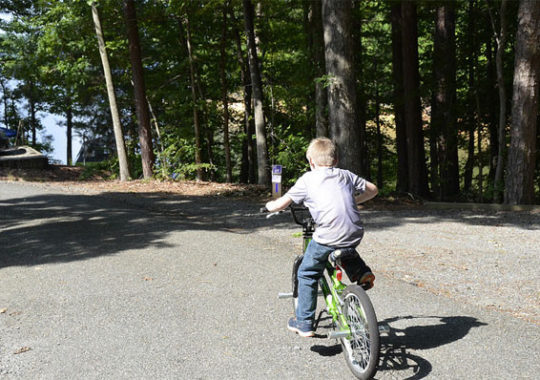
329 194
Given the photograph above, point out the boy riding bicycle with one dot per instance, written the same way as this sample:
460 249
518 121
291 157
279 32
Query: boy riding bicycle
331 195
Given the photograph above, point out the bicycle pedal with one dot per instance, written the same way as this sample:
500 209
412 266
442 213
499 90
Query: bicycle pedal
338 334
284 295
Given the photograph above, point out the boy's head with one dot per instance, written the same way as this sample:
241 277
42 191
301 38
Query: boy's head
322 152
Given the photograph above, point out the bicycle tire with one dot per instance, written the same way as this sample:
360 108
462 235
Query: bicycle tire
362 347
296 265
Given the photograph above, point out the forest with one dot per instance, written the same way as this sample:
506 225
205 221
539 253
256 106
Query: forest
434 99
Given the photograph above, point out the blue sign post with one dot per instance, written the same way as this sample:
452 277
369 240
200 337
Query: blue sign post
276 180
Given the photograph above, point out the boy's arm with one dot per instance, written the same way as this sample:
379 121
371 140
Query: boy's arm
370 192
278 204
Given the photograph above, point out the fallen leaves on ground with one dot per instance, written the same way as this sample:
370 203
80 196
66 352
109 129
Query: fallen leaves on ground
71 177
21 350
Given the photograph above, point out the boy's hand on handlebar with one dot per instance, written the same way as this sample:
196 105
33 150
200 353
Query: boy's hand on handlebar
278 204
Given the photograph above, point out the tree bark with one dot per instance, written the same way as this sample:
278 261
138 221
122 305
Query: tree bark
139 88
321 95
117 127
500 37
402 184
492 106
522 151
314 30
417 171
69 132
196 122
263 172
343 121
379 137
361 98
32 104
5 101
443 114
470 123
224 94
247 170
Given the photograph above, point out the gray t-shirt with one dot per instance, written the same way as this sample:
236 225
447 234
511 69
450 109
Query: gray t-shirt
328 193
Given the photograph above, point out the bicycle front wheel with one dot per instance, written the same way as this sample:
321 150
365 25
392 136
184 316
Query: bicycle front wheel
361 347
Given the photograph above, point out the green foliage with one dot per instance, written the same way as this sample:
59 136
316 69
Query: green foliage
290 152
50 51
99 170
176 161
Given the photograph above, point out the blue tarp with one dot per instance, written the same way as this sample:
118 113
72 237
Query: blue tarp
8 132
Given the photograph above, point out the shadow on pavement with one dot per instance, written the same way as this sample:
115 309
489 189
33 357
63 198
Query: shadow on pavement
57 227
52 228
395 355
395 346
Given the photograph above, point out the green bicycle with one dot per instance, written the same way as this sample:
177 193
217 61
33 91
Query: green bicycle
354 321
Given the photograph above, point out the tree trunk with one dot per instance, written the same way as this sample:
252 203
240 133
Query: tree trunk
224 94
379 137
443 119
501 43
196 123
247 170
257 93
492 106
31 96
522 151
314 31
343 122
33 119
154 120
361 100
5 101
118 136
402 184
69 132
143 115
471 96
321 95
417 172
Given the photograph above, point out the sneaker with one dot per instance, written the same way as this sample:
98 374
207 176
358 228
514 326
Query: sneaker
302 328
366 281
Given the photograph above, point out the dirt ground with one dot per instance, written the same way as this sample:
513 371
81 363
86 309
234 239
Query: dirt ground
73 177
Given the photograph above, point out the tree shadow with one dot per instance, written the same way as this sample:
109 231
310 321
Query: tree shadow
55 227
384 219
60 227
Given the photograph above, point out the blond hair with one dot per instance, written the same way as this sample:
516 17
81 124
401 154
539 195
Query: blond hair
322 151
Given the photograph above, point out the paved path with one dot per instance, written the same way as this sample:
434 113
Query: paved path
124 287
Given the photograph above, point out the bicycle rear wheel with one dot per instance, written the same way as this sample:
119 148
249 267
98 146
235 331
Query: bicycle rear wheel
361 348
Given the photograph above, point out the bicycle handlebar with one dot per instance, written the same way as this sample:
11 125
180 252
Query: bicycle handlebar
264 210
306 222
298 209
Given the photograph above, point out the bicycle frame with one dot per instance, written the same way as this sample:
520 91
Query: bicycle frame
354 321
331 294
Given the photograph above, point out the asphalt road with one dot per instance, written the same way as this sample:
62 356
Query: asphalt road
119 287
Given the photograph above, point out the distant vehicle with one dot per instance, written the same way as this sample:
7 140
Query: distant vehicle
5 135
8 133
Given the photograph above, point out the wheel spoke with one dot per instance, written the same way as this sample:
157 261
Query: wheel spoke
359 342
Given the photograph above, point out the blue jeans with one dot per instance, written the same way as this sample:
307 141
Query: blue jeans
309 272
